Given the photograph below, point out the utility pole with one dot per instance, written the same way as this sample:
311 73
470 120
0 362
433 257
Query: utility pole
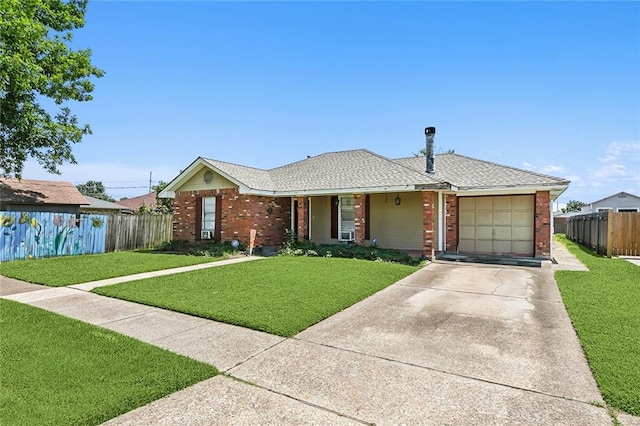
150 181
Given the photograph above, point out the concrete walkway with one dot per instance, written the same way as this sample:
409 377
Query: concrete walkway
564 260
451 344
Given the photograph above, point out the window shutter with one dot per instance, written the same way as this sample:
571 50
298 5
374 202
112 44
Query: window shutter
217 233
367 224
334 217
198 217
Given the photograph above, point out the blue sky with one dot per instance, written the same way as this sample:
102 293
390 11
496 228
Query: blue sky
545 86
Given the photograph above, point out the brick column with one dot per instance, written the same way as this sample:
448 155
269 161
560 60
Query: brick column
359 211
543 224
302 229
428 223
451 222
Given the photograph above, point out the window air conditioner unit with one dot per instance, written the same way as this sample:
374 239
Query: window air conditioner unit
347 235
205 235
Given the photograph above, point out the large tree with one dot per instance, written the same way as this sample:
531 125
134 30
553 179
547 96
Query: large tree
95 189
37 66
573 206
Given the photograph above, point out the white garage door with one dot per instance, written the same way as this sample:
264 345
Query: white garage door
496 225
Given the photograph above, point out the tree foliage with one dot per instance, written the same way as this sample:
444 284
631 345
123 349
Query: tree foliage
423 152
38 67
94 189
162 205
573 206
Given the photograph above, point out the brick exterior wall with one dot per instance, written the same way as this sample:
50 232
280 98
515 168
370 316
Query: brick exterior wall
543 224
240 214
302 230
359 212
451 222
428 223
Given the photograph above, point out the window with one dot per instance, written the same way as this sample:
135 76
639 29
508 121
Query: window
627 210
208 213
347 219
603 209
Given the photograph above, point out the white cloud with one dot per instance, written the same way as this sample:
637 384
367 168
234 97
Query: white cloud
628 150
554 169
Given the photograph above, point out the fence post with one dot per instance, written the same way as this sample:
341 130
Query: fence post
609 232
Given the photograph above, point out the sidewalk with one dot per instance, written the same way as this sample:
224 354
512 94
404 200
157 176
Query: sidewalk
340 381
565 261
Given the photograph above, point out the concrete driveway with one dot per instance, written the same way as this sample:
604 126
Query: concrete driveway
451 344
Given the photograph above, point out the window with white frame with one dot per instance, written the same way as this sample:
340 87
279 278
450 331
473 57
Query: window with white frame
347 219
627 210
208 213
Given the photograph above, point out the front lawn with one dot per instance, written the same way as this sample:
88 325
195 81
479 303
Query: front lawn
604 306
59 371
67 270
279 295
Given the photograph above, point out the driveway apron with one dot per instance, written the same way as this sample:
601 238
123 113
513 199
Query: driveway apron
450 344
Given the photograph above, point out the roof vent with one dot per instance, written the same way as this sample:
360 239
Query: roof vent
431 159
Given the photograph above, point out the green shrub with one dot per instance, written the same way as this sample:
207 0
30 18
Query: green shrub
199 248
348 251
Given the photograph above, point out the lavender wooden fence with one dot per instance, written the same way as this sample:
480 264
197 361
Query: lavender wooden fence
27 235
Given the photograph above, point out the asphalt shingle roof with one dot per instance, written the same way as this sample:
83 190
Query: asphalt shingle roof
468 173
365 169
30 191
346 169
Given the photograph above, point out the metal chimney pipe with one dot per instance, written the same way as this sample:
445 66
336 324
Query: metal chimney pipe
431 158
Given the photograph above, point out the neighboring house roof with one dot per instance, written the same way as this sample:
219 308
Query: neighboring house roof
30 191
363 170
135 203
96 204
566 214
621 194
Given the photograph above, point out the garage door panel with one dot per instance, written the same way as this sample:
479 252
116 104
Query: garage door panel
467 232
467 245
484 203
468 217
502 233
484 232
502 203
497 224
501 247
524 248
484 219
523 218
501 216
484 246
522 233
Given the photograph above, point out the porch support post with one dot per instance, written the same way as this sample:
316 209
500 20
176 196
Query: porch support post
428 223
359 211
302 227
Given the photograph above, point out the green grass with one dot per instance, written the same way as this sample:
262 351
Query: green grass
279 295
604 306
56 370
67 270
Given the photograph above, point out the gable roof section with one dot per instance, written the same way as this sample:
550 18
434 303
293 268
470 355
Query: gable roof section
249 177
356 169
366 171
618 195
470 173
30 191
134 203
98 204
